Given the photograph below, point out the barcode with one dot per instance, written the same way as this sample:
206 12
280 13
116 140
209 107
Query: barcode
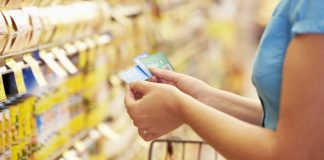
167 67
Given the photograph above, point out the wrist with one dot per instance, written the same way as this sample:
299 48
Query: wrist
185 103
207 97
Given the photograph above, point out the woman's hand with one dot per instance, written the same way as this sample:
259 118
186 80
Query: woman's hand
189 85
237 106
157 110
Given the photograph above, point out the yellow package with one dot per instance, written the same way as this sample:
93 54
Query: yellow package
7 133
29 103
22 128
1 132
14 128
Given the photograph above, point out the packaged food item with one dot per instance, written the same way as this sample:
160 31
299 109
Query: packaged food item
36 25
44 3
22 114
57 18
7 133
30 3
19 29
105 15
48 28
14 129
2 140
3 33
9 32
2 3
11 4
29 114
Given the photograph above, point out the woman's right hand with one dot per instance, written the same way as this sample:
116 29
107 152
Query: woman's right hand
187 84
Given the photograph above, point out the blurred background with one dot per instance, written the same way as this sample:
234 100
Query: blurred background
61 97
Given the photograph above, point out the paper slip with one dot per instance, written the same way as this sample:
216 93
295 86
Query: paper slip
158 60
141 65
133 74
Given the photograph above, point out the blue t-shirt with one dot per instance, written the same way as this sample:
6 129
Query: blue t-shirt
292 17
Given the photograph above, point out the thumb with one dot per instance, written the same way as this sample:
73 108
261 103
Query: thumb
166 75
141 86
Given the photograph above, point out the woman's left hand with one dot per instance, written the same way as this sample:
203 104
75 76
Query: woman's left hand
154 108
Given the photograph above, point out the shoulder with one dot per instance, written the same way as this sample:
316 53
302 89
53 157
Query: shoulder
306 9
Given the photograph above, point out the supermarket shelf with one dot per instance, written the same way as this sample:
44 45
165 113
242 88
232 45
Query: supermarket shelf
174 5
126 139
42 47
45 46
128 11
132 11
67 146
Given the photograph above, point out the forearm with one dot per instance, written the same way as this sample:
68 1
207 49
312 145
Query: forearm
235 139
240 107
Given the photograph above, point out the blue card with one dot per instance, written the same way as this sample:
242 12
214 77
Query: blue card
133 74
141 64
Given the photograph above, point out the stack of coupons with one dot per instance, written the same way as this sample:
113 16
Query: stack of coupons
144 62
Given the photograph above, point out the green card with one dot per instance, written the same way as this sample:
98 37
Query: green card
158 60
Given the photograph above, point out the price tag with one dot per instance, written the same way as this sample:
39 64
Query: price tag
82 53
70 49
105 130
60 54
34 65
3 95
19 77
49 59
92 54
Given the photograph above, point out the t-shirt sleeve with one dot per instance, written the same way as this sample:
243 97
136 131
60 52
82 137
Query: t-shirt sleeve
308 17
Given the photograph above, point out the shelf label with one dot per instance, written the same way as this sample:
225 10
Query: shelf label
70 49
3 95
19 77
49 59
34 65
81 47
60 54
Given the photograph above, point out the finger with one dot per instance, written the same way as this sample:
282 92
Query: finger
165 81
165 74
141 86
154 79
129 97
147 136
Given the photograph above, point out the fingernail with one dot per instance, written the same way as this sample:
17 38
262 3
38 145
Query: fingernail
152 69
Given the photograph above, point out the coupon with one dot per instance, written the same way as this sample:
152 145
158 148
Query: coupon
141 64
158 60
133 74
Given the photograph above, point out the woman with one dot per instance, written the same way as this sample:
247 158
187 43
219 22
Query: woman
288 75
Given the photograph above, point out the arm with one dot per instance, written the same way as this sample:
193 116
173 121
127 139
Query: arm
300 128
240 107
301 125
